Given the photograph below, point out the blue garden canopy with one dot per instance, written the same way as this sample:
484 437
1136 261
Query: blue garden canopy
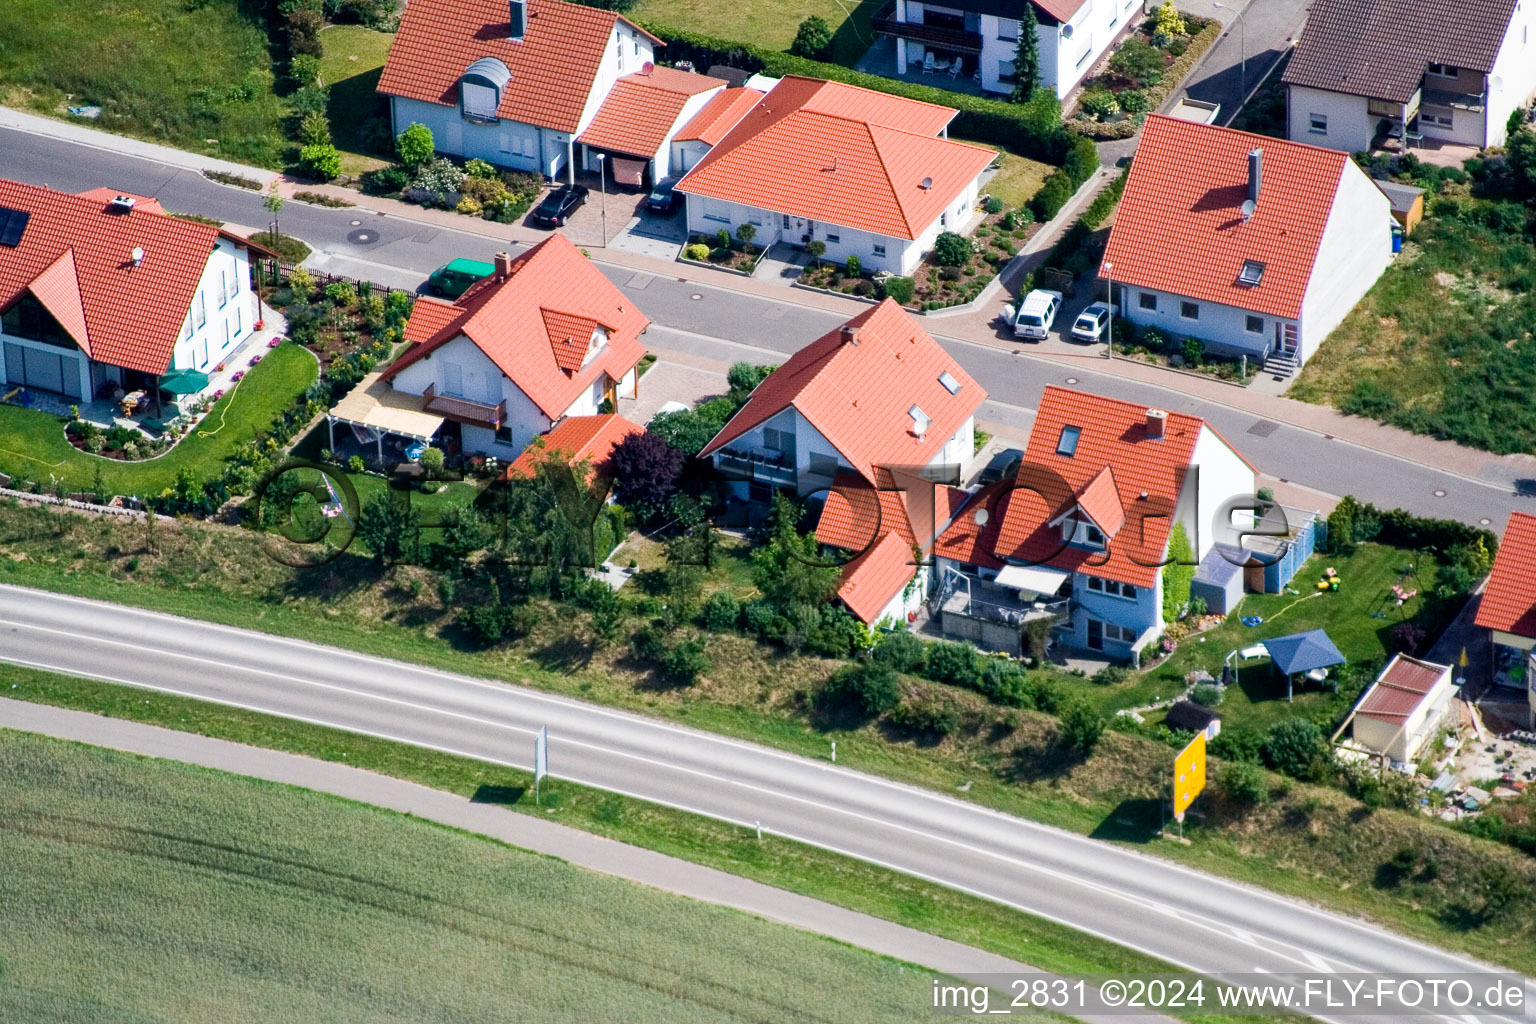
1302 652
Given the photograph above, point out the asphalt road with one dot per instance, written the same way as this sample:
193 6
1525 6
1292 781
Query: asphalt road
724 324
1190 919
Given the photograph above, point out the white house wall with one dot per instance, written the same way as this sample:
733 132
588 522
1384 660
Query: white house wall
1226 326
1355 250
226 324
1512 82
481 381
506 143
1223 475
1349 126
627 51
686 154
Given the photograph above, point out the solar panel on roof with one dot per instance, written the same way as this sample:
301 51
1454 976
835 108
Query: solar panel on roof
12 224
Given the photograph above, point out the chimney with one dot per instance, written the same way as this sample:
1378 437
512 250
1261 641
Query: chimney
1157 424
503 266
850 334
1255 174
518 20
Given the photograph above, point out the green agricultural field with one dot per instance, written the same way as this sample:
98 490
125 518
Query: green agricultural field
769 23
350 67
144 890
1443 345
32 443
177 71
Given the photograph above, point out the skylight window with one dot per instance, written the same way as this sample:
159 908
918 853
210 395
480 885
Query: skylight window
1252 274
950 384
920 421
1067 443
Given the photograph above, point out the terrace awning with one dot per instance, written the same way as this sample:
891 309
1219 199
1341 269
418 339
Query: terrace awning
184 382
1034 578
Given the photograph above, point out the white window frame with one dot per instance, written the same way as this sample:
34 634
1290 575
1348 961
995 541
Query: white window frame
1006 24
1185 306
1317 124
202 308
834 239
1250 320
1142 301
1431 71
878 248
1125 636
1438 120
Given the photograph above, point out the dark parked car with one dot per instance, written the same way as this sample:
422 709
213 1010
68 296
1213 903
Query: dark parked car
664 198
559 205
1003 465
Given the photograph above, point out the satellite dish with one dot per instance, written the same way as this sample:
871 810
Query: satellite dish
138 256
1248 207
981 517
927 183
647 68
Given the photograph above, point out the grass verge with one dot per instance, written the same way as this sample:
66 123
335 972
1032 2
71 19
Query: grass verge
770 23
350 67
196 75
32 442
808 870
139 889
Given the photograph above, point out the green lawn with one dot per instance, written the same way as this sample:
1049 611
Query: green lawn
1018 179
370 485
768 23
1258 699
32 443
141 890
172 71
351 66
1444 344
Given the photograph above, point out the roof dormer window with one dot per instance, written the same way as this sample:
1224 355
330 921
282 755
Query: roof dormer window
1066 444
480 89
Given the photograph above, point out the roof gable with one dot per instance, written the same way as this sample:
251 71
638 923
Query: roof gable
856 384
521 322
841 155
719 116
553 67
76 257
1381 48
1180 227
1509 600
641 110
1147 472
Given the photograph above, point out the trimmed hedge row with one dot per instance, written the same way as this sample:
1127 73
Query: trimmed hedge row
1082 160
1358 521
1030 129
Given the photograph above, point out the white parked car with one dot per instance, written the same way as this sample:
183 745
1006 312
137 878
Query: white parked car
1092 323
1035 314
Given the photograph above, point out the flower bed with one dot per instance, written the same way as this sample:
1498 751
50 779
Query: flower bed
1154 346
475 189
1140 74
722 249
341 322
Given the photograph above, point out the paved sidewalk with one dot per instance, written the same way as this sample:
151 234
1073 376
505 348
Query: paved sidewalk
527 831
81 132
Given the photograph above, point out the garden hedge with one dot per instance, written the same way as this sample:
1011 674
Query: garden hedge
1030 129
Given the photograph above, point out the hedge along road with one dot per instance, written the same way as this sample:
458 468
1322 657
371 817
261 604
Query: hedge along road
726 325
1190 919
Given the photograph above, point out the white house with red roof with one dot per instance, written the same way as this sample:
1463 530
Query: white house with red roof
875 392
866 173
984 34
1084 528
545 338
526 83
1507 608
105 290
1257 246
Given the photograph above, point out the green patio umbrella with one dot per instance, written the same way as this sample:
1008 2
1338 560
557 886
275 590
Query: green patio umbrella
184 382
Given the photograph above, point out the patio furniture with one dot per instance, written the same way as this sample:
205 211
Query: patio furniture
929 64
133 401
954 71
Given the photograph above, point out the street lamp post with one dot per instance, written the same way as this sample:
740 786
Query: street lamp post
1242 29
602 184
1109 327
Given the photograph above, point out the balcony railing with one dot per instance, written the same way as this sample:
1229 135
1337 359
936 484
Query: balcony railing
462 410
975 598
1454 100
885 23
774 468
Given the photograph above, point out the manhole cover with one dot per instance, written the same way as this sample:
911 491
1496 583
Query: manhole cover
1071 380
1486 521
362 236
355 223
1439 494
695 296
1263 428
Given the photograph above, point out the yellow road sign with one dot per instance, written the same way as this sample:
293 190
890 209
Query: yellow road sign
1188 775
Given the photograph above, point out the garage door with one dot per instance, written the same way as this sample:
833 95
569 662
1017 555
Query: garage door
41 369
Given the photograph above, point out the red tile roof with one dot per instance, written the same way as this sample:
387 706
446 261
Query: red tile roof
573 440
106 195
641 110
841 155
1099 499
1148 474
75 256
972 535
1509 602
857 393
877 575
1381 48
719 116
511 321
1180 228
1399 689
553 67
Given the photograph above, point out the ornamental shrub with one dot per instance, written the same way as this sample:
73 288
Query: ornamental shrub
902 651
321 161
955 663
478 168
951 250
721 612
1168 20
812 39
855 266
869 689
415 145
900 288
697 251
